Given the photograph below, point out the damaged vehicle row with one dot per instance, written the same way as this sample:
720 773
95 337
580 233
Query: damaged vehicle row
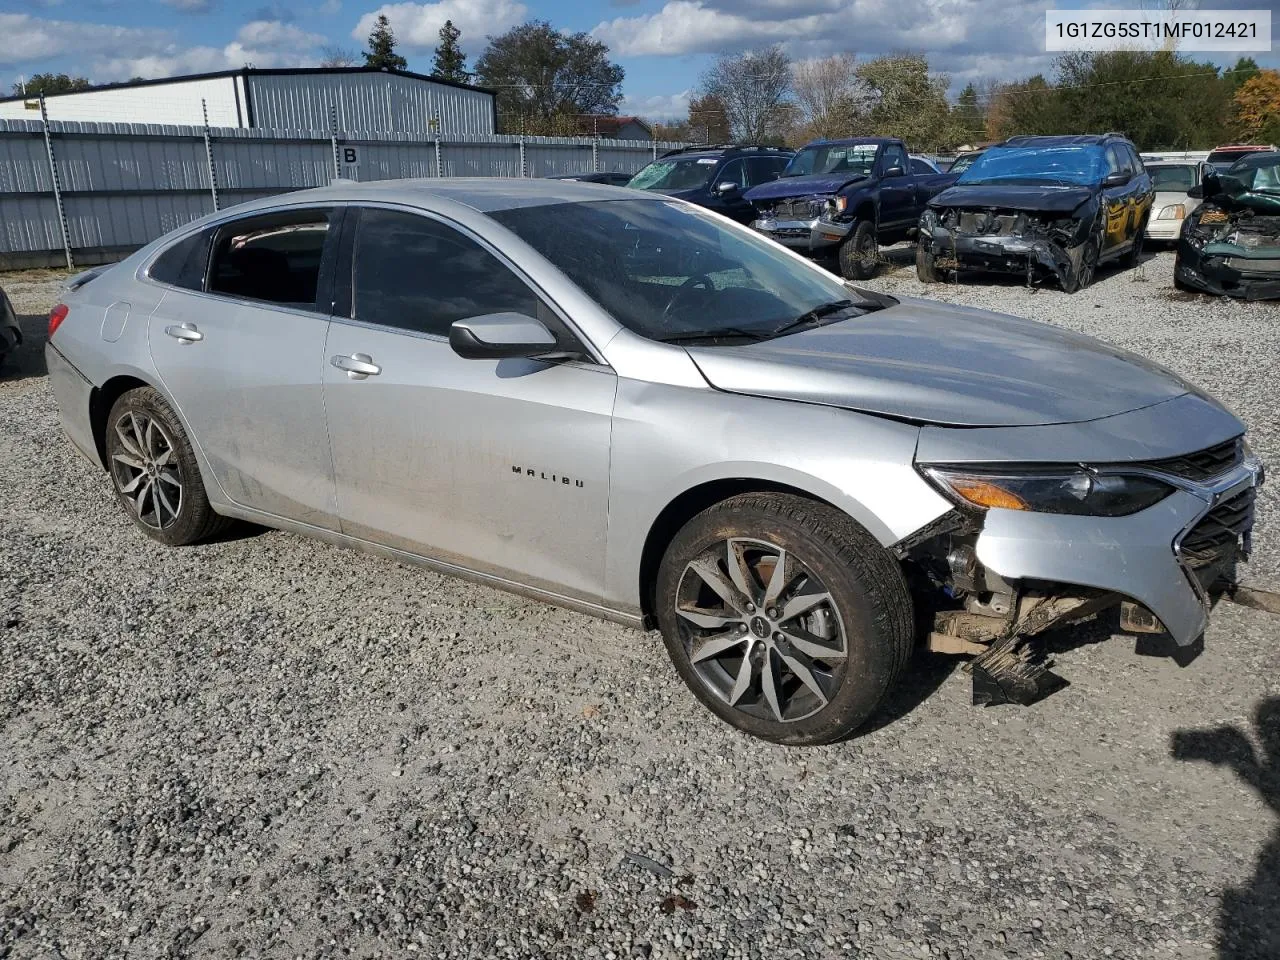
1043 208
620 402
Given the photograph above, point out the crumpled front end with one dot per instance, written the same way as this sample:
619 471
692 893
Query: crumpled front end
1018 242
1231 252
1037 544
808 223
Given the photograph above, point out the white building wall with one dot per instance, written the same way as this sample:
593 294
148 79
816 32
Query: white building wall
177 102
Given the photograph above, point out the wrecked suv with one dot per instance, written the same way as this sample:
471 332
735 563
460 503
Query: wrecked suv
628 405
1230 244
1041 208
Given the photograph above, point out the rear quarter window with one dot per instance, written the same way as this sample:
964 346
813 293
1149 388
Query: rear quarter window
185 263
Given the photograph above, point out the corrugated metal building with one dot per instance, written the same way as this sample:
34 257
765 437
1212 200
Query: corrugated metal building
357 99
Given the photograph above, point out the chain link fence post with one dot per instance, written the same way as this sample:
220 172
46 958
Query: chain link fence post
57 185
208 156
595 155
524 169
439 163
333 142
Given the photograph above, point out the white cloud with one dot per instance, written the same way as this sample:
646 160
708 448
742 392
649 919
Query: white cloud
960 36
263 43
673 106
417 25
31 40
329 7
190 6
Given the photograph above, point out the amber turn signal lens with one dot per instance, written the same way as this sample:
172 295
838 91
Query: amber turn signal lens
982 493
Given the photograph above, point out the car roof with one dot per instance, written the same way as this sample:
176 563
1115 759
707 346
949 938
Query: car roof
854 141
1072 140
485 194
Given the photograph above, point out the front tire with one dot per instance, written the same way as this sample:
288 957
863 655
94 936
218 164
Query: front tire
1083 275
926 265
859 254
784 617
154 471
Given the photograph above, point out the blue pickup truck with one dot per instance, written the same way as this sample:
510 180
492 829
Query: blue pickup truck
848 196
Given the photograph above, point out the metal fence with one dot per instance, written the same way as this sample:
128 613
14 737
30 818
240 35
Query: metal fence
85 193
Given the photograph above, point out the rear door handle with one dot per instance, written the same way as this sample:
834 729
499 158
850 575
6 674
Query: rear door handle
184 332
358 366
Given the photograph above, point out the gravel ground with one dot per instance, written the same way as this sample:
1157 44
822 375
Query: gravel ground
271 747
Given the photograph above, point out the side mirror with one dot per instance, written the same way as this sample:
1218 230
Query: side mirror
495 336
1210 184
1196 192
726 188
895 172
1118 179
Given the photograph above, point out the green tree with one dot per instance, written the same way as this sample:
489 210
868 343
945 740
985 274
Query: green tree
450 62
969 115
1030 107
1244 70
708 121
382 47
546 79
908 101
49 84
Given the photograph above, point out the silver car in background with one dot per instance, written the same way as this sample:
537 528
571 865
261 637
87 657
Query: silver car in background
633 407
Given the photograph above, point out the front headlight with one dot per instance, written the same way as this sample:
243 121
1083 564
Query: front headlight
1072 490
834 207
1175 211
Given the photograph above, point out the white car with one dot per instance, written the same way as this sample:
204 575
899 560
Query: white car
1172 179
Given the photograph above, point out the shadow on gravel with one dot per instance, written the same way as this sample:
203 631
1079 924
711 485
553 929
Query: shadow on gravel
28 360
923 676
1249 927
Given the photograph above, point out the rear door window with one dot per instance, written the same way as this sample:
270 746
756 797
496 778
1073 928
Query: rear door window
274 258
185 263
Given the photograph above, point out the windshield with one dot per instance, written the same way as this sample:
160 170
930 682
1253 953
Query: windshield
1255 175
685 173
843 158
1174 178
1079 164
670 271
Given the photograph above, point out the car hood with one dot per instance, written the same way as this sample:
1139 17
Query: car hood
818 183
937 363
1047 198
1166 197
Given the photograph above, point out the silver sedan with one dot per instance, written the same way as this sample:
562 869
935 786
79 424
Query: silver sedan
633 407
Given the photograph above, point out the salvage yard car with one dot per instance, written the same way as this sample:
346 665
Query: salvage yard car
630 406
717 178
1173 180
1230 245
848 197
1040 207
10 331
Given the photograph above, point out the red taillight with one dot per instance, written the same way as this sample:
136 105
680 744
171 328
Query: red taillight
56 316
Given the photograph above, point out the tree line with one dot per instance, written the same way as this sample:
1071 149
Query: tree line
551 83
1161 100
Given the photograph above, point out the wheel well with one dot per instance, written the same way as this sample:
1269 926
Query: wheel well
101 399
683 509
865 211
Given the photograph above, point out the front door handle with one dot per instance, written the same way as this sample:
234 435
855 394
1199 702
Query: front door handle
184 332
358 365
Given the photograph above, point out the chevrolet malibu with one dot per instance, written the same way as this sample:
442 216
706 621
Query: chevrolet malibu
631 406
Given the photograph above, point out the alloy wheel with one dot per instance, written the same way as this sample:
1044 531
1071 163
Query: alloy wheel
761 631
145 468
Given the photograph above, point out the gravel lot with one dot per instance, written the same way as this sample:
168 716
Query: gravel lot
272 747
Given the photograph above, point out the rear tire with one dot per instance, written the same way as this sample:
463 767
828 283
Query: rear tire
859 254
833 629
1134 256
154 471
926 265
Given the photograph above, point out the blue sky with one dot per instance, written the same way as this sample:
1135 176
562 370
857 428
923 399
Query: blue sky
663 44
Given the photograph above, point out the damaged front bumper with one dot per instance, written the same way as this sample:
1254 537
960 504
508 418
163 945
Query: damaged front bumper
807 235
1034 257
1166 558
1227 275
